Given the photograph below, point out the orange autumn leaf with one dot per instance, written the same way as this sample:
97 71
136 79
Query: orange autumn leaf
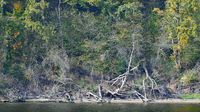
17 45
16 34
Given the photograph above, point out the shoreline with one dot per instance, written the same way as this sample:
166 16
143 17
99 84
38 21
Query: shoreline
92 101
163 101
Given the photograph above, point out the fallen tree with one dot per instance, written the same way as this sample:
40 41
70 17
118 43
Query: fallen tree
117 84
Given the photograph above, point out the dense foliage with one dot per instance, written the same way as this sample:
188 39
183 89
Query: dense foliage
46 42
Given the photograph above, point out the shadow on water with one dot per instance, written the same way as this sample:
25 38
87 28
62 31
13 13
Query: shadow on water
63 107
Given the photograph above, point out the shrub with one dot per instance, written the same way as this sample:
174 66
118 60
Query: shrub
189 76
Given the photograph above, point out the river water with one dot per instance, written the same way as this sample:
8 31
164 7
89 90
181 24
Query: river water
65 107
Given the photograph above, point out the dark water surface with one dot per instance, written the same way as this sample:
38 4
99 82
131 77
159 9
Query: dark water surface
63 107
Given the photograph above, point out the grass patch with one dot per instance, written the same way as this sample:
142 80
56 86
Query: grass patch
191 96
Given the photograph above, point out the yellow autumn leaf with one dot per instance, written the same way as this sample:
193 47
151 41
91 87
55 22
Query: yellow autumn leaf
17 6
183 40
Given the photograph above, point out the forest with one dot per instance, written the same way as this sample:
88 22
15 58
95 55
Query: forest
99 49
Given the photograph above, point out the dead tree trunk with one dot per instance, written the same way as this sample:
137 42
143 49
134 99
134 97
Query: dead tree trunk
119 82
